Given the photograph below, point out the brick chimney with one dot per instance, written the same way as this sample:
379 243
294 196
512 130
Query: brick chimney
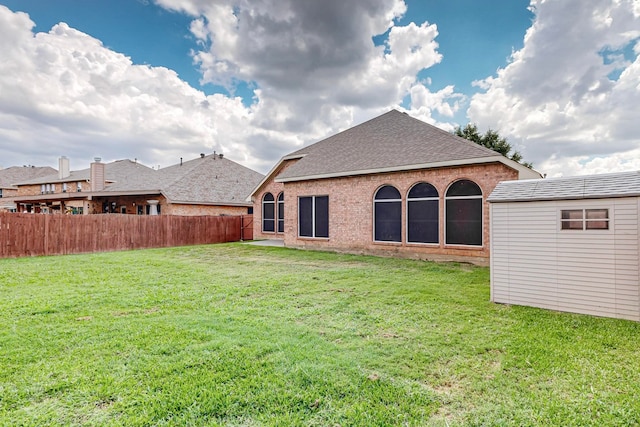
63 167
97 175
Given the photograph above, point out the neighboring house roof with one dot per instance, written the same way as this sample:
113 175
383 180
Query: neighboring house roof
15 174
117 171
209 179
391 142
623 184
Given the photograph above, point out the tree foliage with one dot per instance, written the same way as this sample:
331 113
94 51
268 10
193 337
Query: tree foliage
491 139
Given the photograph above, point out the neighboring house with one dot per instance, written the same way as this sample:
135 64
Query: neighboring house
208 185
569 244
11 175
393 185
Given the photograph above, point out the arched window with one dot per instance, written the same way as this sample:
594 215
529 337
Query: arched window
281 213
268 213
422 214
387 212
463 211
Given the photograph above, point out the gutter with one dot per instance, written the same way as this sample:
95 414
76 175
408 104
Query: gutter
481 160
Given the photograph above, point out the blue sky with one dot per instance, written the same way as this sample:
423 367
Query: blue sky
258 79
474 40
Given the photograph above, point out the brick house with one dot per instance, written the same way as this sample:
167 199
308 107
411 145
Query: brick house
14 174
393 185
208 185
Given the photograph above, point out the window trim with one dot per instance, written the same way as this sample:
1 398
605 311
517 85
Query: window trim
313 217
482 214
373 235
279 220
263 203
584 220
421 199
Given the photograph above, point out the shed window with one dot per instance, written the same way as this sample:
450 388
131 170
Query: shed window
422 214
281 213
268 213
584 219
313 216
463 208
387 215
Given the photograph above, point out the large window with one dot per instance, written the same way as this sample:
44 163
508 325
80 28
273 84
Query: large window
463 211
387 213
584 219
268 213
313 216
281 213
422 214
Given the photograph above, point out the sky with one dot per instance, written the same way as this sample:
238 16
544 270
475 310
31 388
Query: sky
157 80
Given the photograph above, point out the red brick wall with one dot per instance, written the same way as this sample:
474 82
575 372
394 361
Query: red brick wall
351 211
35 190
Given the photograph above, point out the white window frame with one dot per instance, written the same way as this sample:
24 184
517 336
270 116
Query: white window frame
421 199
444 220
584 220
273 203
277 212
313 217
373 225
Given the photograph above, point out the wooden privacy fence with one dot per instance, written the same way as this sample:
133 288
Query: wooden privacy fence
36 234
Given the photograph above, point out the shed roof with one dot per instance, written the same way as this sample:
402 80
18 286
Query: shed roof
622 184
393 141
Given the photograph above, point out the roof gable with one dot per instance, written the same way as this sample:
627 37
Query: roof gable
392 141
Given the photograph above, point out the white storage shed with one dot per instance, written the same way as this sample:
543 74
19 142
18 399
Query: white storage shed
568 244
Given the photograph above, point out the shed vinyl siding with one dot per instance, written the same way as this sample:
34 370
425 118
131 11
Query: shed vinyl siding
535 263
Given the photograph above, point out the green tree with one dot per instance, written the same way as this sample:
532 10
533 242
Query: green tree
491 139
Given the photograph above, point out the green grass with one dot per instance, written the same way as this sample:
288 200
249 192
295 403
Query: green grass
240 335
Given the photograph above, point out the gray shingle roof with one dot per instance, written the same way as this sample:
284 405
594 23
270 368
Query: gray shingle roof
119 171
15 174
623 184
392 140
209 179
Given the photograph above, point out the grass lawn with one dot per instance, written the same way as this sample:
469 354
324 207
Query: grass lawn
239 335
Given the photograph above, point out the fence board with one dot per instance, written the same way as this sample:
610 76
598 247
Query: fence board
35 234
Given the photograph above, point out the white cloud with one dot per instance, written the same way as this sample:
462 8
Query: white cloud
314 65
560 100
64 93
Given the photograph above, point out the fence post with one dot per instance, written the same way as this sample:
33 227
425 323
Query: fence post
46 234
